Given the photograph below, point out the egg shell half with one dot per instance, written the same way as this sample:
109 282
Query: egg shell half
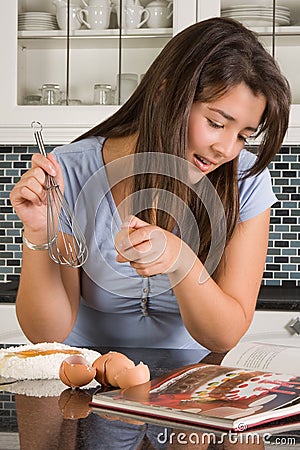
115 365
100 365
133 376
75 371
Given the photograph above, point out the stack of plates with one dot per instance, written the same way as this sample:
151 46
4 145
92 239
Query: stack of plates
258 16
30 21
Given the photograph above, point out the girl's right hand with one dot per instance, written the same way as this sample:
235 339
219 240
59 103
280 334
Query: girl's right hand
29 195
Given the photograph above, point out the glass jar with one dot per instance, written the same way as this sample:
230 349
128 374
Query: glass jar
103 94
32 99
51 94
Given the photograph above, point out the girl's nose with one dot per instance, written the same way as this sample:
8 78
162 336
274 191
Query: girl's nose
227 146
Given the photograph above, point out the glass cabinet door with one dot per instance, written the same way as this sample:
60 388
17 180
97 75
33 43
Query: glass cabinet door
277 23
146 27
60 56
41 62
87 52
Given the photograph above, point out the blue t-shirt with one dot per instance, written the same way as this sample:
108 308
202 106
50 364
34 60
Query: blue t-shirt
119 307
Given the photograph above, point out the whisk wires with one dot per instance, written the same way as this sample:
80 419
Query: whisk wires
66 242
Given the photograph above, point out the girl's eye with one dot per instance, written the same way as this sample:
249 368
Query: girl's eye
214 124
220 126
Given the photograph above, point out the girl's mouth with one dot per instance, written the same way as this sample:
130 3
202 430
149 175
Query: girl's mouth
203 164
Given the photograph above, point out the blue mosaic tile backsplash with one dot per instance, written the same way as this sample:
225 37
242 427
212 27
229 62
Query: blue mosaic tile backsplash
283 261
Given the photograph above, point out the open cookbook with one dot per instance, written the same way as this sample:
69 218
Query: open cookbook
256 383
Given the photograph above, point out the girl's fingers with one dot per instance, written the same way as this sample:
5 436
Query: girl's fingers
135 253
58 171
32 196
133 222
34 186
145 270
131 237
46 164
31 187
35 173
121 259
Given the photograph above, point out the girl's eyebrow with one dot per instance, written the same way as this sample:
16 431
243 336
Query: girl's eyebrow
228 117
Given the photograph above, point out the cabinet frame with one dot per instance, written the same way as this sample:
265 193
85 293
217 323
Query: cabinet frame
61 123
64 123
291 35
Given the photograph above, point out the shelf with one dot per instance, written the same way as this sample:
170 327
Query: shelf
279 31
52 34
142 32
55 39
285 35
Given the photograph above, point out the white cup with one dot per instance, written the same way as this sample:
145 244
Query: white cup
96 17
135 16
74 18
160 14
129 82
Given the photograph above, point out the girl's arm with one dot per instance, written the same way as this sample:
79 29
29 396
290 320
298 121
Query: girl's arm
48 295
216 313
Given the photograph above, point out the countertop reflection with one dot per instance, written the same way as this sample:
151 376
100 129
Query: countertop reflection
49 416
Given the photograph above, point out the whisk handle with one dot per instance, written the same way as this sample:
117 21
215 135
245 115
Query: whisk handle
37 131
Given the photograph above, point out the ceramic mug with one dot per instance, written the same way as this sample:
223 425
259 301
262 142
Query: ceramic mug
127 82
160 14
96 17
74 18
135 16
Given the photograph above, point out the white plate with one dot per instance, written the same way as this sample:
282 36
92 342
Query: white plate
251 13
255 11
265 14
35 14
38 23
36 28
36 20
256 23
258 20
257 8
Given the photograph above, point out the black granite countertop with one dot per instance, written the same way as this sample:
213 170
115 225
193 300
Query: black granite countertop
8 291
281 298
65 420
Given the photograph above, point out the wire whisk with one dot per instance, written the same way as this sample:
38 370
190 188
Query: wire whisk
66 242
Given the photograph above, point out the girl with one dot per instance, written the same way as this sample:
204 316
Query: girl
184 269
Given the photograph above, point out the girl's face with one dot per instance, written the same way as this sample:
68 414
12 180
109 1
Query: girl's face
218 130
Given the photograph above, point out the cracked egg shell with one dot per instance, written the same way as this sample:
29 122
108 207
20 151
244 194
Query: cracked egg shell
75 371
133 376
115 365
109 365
100 365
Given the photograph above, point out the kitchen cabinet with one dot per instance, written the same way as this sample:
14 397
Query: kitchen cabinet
283 40
31 58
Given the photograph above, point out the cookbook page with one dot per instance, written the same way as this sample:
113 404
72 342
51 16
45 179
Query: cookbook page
268 357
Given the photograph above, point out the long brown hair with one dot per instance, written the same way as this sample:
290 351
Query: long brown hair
201 63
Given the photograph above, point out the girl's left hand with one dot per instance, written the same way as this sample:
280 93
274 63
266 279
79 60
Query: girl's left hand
149 249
